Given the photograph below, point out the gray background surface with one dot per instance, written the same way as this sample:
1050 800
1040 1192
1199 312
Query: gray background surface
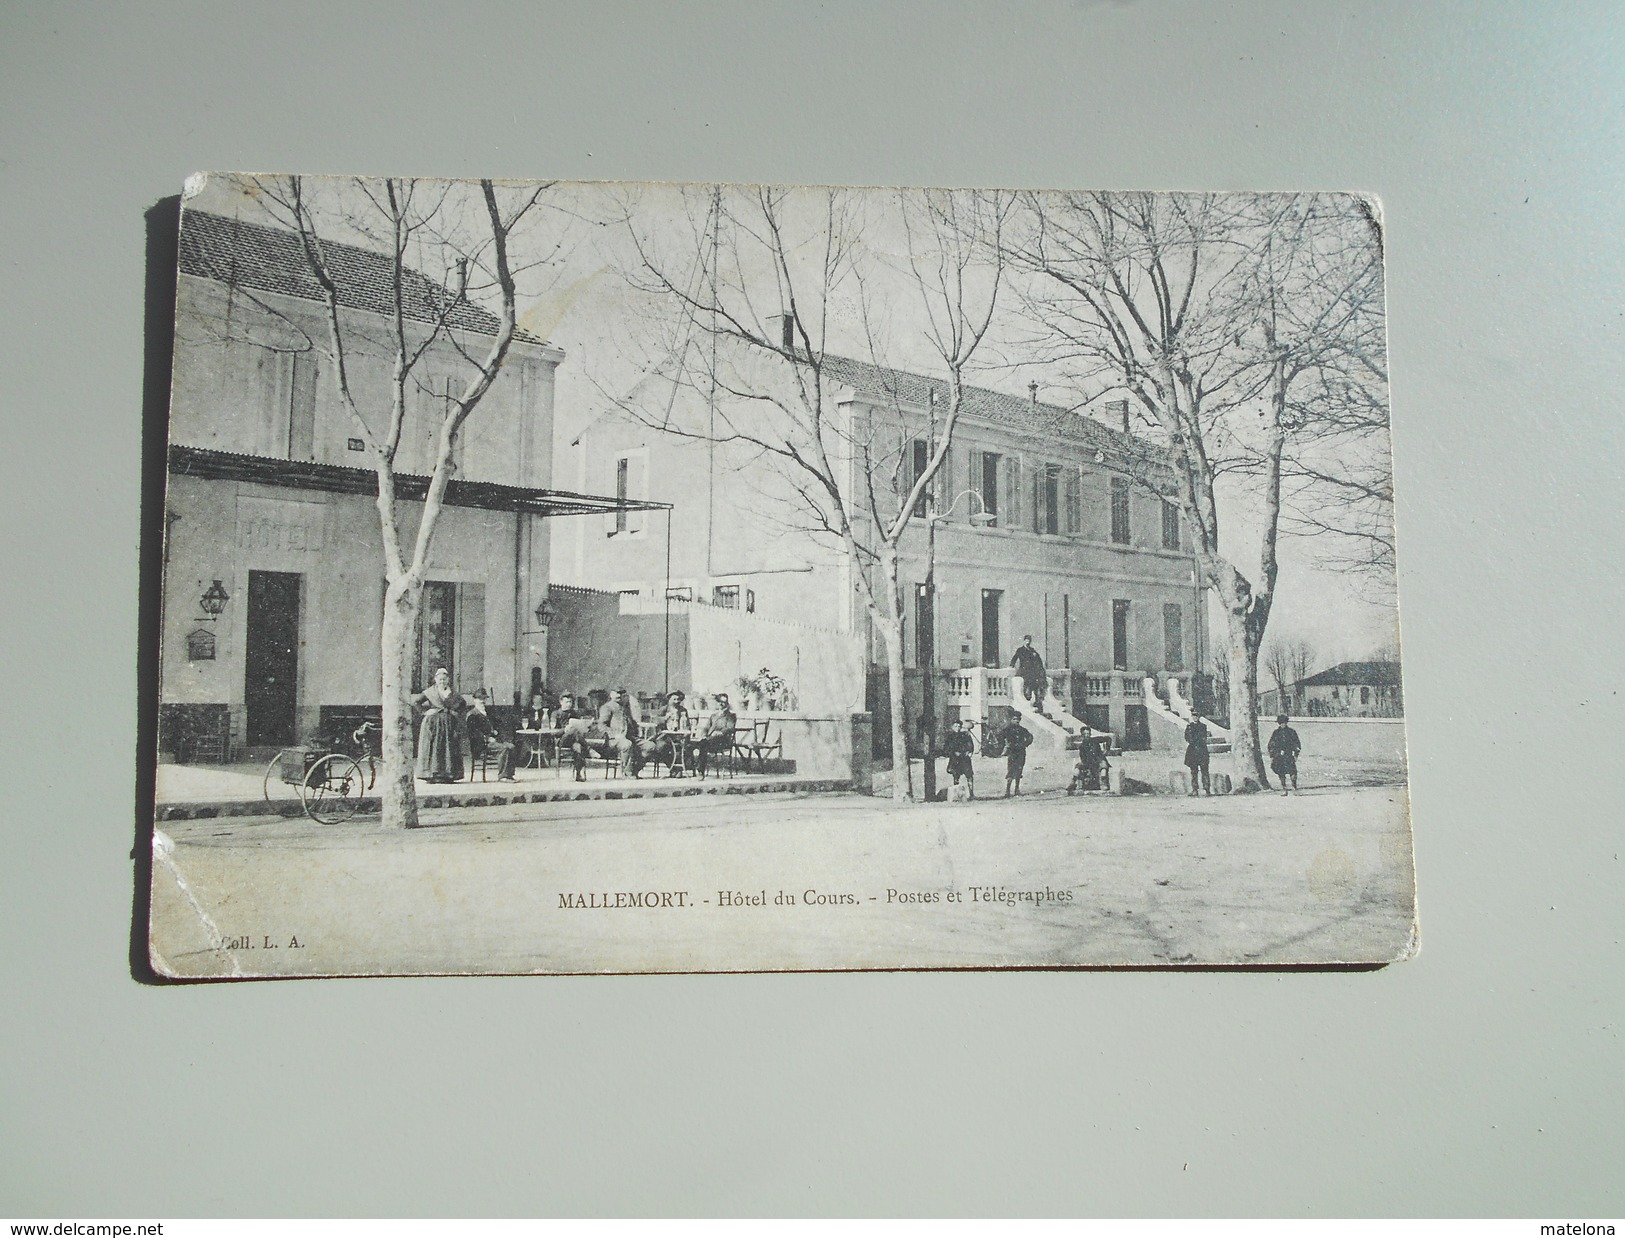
1482 1077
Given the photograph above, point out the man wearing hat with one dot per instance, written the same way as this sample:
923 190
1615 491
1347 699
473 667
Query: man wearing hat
482 737
573 725
718 737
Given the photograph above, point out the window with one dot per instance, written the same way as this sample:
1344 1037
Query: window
750 601
919 461
451 633
922 650
1173 637
1120 511
1047 499
680 593
990 627
1010 499
984 482
1120 634
1170 525
725 596
302 409
1365 696
435 398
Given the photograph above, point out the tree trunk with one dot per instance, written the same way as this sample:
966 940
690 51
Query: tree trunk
1246 751
397 790
902 779
891 636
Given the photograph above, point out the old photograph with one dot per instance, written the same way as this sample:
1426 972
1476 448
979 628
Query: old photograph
571 577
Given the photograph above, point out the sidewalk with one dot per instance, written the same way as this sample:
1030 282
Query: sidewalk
186 792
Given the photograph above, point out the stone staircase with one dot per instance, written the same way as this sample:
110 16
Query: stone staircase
1177 712
1052 725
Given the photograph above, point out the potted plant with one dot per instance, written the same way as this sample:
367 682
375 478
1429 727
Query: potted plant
765 691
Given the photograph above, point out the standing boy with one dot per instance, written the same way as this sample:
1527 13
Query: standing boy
1284 749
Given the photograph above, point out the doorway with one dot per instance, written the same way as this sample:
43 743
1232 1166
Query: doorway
271 658
990 627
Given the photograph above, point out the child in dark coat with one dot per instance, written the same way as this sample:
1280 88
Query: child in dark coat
1017 739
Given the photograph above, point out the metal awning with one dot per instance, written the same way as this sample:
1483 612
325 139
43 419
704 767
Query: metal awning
187 461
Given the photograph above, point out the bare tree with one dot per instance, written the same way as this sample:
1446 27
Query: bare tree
1231 323
469 233
1278 663
1288 663
755 287
1301 661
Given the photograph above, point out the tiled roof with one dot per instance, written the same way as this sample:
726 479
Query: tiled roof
881 383
1346 674
272 260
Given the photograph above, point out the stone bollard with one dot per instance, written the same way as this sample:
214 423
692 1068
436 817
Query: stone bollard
1179 781
1221 784
1114 780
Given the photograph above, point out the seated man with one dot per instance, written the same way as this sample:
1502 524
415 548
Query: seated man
718 737
676 732
623 734
1089 774
482 737
574 725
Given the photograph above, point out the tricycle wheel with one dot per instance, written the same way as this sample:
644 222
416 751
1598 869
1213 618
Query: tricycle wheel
333 789
274 777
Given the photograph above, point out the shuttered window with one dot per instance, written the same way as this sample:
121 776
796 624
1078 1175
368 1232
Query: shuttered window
451 633
1120 511
1120 634
1173 637
302 409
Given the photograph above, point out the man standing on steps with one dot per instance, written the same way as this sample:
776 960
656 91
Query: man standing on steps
1029 667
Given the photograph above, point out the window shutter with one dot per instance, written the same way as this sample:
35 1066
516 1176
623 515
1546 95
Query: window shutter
620 485
302 410
637 487
469 673
1074 501
973 477
1010 508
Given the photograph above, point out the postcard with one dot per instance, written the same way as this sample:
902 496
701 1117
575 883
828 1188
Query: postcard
569 577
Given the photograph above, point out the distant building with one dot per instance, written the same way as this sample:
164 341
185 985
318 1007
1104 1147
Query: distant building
1347 690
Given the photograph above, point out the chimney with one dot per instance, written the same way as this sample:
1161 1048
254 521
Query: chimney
1121 407
1032 390
787 330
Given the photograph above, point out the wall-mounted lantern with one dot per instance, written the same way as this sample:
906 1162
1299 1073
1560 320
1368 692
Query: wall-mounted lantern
546 612
214 600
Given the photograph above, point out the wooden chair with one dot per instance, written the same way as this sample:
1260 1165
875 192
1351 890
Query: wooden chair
760 744
717 760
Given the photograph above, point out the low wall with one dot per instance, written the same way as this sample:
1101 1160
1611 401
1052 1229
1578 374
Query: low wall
832 746
1358 739
823 668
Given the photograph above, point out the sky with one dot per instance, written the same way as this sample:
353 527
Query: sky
572 260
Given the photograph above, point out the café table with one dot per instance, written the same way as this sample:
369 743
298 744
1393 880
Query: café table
542 740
